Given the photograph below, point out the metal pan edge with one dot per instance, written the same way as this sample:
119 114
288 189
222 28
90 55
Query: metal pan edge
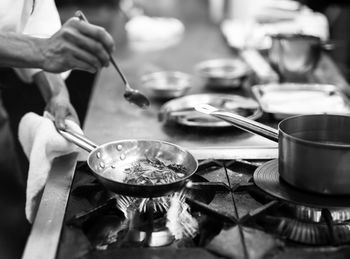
266 177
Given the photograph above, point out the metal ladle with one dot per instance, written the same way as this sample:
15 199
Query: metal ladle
130 94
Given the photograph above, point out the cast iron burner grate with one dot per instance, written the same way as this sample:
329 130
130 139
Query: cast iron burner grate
144 224
245 206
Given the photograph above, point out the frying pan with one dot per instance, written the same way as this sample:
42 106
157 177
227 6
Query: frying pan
314 150
124 153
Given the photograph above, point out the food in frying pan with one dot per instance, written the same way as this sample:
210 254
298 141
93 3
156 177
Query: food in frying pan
148 172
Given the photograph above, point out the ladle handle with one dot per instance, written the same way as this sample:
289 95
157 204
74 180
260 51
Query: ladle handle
114 63
240 122
78 139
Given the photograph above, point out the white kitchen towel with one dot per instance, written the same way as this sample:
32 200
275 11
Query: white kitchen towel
41 144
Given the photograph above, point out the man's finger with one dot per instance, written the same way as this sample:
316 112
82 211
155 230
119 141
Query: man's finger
95 32
60 115
91 46
73 115
82 59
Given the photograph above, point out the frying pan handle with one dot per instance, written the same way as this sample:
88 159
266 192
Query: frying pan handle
240 122
78 139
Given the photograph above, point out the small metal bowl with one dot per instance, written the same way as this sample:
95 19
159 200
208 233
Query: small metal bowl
295 55
223 74
166 84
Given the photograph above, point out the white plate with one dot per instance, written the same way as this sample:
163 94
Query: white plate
288 99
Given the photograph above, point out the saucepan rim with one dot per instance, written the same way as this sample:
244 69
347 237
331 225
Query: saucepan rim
282 129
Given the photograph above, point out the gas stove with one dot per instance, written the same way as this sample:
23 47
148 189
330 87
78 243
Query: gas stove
249 219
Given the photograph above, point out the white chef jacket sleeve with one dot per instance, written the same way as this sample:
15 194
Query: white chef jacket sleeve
42 23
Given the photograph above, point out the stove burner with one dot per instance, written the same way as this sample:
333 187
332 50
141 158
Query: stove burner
148 227
315 214
304 217
306 233
266 177
157 238
314 233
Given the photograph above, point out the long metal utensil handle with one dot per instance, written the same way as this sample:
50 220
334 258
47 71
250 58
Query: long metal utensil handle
240 122
125 81
78 139
82 17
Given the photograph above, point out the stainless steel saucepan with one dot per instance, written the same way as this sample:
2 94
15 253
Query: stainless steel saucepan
314 150
108 161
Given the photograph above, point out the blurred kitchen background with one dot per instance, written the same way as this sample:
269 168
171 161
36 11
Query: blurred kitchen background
243 25
177 35
113 14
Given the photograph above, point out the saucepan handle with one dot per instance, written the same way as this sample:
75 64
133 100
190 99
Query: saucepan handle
240 122
78 139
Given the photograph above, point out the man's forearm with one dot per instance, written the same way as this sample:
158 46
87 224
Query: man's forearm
18 50
56 96
50 85
77 45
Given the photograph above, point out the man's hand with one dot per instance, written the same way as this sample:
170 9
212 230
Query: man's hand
55 94
77 45
60 107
